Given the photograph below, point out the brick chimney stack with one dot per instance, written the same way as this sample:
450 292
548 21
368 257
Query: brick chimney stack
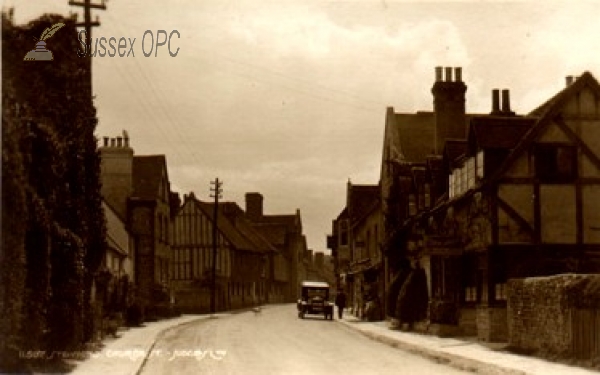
495 102
506 111
254 206
116 167
448 106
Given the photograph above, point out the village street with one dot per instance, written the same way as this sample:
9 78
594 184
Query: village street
275 341
434 167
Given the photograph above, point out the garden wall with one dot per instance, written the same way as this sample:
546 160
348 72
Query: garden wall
542 312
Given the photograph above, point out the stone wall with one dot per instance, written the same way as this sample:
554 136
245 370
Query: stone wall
539 313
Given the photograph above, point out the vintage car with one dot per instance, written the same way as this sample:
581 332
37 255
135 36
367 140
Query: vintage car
315 300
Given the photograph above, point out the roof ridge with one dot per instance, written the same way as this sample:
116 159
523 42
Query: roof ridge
553 105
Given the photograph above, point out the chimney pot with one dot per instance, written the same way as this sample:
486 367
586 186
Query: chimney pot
105 141
438 73
448 74
126 140
112 142
495 101
458 74
570 80
119 141
505 101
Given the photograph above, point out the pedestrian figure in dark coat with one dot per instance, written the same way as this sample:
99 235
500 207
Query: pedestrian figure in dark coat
340 302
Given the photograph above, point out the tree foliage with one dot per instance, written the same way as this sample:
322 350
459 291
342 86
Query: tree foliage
53 223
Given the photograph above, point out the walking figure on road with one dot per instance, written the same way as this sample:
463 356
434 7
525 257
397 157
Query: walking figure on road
340 302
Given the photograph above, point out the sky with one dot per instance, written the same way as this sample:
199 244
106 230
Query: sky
288 98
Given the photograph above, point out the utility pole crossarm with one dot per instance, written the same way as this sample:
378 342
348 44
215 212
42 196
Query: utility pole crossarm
90 5
87 23
91 24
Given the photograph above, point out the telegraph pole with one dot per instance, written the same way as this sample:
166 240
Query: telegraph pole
216 193
88 24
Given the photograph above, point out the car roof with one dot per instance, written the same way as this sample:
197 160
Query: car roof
315 284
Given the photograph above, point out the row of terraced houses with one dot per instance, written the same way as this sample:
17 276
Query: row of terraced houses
475 199
160 252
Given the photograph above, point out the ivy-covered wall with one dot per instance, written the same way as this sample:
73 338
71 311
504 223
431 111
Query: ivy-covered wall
53 229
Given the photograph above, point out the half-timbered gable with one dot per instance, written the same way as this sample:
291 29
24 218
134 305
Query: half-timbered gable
550 181
517 206
241 257
511 196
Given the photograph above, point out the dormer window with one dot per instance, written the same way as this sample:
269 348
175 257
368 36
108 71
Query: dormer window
555 163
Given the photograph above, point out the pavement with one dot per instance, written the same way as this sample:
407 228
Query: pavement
463 354
128 353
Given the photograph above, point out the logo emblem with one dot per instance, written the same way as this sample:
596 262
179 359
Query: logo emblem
40 53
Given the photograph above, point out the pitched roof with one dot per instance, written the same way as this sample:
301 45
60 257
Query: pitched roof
454 149
412 135
147 175
361 199
276 228
498 132
557 101
116 231
290 221
343 214
253 235
275 233
546 113
416 135
233 225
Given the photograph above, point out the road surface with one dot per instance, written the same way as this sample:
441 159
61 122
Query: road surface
275 341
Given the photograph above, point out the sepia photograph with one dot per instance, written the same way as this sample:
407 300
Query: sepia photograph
300 187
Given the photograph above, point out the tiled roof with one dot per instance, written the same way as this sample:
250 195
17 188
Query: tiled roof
361 199
232 224
585 78
290 221
253 235
147 174
499 132
275 233
116 232
543 115
413 135
454 149
276 228
343 214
